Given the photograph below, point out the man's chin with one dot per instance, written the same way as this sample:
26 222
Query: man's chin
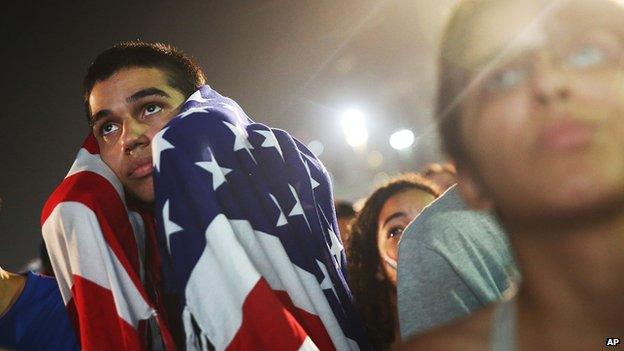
142 193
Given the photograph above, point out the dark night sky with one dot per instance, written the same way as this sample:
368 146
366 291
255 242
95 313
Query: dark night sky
290 64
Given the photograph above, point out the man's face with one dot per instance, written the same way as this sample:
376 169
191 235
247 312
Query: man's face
544 125
127 110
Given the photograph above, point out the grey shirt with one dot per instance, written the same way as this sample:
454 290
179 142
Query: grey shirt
452 261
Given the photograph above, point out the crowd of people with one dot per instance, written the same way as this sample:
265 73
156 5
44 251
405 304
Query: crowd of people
515 243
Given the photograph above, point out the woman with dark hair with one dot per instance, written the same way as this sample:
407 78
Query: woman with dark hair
375 234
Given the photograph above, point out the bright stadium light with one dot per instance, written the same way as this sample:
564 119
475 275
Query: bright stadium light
352 117
357 137
354 127
402 139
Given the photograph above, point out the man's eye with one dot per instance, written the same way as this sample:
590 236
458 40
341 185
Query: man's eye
152 109
109 128
507 78
588 56
395 232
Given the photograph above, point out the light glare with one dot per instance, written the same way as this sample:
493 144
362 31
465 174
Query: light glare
356 138
352 118
354 127
316 147
402 139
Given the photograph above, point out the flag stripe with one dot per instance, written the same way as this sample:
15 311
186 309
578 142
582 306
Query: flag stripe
311 323
104 329
86 240
98 250
267 322
107 207
213 290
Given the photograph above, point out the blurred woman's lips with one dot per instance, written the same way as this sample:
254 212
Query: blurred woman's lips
565 135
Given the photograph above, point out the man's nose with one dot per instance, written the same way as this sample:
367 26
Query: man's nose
550 81
133 135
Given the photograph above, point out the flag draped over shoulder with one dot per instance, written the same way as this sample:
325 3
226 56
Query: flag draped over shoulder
246 218
100 251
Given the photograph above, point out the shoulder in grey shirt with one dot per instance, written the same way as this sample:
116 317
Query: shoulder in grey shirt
452 261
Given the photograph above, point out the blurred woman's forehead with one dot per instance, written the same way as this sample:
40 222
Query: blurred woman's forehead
577 16
499 25
508 26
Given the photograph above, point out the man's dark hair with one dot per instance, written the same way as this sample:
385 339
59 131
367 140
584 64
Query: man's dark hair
182 72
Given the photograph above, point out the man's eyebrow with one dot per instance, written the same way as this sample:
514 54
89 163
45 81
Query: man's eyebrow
130 99
146 92
393 216
98 115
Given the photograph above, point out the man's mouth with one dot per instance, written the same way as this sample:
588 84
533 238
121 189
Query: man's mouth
141 169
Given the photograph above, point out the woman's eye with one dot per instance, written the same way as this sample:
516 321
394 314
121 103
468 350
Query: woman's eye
588 56
507 78
395 232
109 128
152 109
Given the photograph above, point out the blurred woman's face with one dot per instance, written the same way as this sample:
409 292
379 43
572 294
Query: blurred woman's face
398 211
547 107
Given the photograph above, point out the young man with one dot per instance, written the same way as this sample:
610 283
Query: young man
246 231
531 99
130 92
98 224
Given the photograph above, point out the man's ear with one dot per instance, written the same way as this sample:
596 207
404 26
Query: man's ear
472 190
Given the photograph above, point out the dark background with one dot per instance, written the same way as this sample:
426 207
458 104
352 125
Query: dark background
290 64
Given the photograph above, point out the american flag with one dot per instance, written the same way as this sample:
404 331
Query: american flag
248 232
104 254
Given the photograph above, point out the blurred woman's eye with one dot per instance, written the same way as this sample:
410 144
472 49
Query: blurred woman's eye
507 78
152 109
395 232
587 56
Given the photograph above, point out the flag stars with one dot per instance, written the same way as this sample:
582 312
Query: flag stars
270 141
335 247
218 172
192 110
196 96
240 139
313 182
170 226
160 145
281 220
326 283
297 208
232 109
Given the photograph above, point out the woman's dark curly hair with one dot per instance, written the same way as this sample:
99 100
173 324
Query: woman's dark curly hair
375 298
